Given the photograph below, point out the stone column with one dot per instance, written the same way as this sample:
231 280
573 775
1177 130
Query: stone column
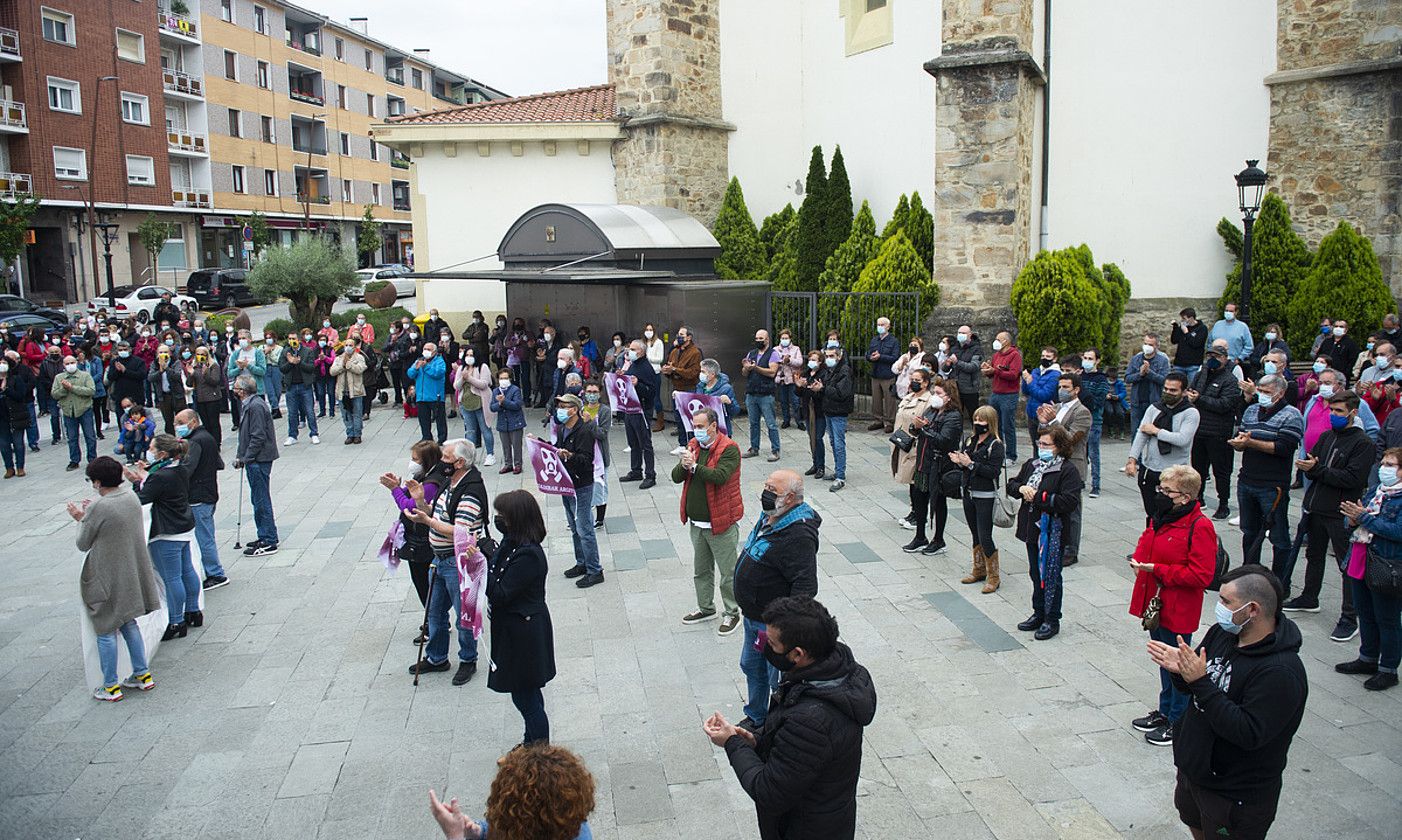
664 64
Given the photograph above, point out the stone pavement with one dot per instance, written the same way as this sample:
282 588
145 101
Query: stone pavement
289 714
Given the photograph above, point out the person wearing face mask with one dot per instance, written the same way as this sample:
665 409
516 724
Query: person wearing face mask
761 367
1164 439
1275 364
1188 335
915 405
937 433
964 365
1376 539
810 406
785 391
435 325
520 353
616 354
713 382
1339 347
202 464
1075 417
1248 689
711 505
1272 341
575 437
161 483
1235 332
779 559
1174 562
272 379
656 349
72 394
49 371
683 370
394 351
208 382
547 349
16 398
1095 392
588 349
802 767
597 410
409 538
323 383
1144 379
1004 371
1373 363
348 371
298 369
92 360
169 383
1307 383
882 352
1380 395
429 373
246 358
257 450
1040 385
835 388
639 370
473 384
982 460
496 342
1271 429
127 376
509 405
912 360
564 366
1214 392
1049 488
330 333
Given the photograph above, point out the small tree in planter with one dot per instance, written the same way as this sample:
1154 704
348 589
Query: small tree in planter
367 236
1345 283
153 233
311 274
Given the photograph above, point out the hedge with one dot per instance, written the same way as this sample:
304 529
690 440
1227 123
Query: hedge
1345 283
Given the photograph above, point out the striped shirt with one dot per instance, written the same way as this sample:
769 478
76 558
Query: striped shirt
469 516
1281 425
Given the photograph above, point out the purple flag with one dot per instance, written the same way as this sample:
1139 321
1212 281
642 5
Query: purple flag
550 475
688 403
623 397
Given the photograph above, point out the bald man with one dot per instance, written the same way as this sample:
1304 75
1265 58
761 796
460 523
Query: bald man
202 465
780 558
72 392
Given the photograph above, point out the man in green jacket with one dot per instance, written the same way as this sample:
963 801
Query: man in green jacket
73 391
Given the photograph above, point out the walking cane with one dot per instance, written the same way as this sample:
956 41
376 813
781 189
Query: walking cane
423 637
238 538
1295 545
1257 543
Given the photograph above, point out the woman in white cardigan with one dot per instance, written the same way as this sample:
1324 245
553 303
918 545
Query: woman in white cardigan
474 385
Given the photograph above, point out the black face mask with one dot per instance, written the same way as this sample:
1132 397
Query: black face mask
1046 363
1214 364
759 345
914 350
1162 504
584 336
980 428
768 501
779 661
499 523
916 387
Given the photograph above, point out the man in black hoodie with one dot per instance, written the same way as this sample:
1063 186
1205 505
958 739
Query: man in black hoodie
202 464
1248 689
1214 392
801 767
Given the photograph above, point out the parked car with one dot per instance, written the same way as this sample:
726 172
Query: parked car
399 267
14 325
140 301
14 304
403 286
220 288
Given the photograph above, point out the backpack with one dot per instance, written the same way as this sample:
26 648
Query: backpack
1224 562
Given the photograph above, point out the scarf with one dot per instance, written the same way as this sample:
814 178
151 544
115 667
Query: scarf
1363 536
1039 469
1168 414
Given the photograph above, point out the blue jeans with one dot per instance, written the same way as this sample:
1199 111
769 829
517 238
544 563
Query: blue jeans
71 425
1172 702
107 652
530 702
50 405
446 593
172 561
1189 371
1379 634
579 515
475 428
352 415
272 381
1093 453
1006 404
837 436
322 388
820 451
33 431
299 407
12 446
259 473
787 398
762 407
761 677
1254 502
204 535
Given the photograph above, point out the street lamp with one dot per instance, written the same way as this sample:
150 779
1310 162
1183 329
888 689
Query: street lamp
307 181
1250 183
109 235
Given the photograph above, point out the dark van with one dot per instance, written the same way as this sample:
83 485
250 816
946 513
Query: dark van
220 288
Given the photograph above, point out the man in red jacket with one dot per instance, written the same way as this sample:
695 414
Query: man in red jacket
1175 560
1005 371
709 472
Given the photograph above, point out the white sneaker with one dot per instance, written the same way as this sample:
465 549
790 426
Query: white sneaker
490 461
1235 520
679 450
316 439
292 441
627 449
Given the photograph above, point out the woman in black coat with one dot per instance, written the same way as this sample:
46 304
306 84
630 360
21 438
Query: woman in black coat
1050 489
16 393
940 431
523 640
163 485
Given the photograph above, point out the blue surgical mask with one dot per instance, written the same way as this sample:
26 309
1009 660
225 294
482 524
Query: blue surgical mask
1337 423
1225 616
880 329
1319 367
703 377
1263 398
703 437
1269 367
185 354
1324 330
124 354
831 361
1087 364
182 430
1045 454
833 345
1388 476
562 415
1229 316
1270 336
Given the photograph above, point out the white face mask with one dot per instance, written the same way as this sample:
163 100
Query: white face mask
617 343
505 383
944 346
937 401
647 334
428 354
997 345
71 368
415 468
4 367
562 364
1148 349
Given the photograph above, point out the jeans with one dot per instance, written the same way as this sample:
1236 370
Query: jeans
761 677
299 408
1379 626
762 408
1006 404
71 425
172 561
353 415
50 405
786 395
12 446
259 473
816 433
837 436
272 381
640 454
204 535
1190 371
530 702
323 393
1172 702
107 652
446 593
476 429
579 515
1136 418
1093 453
33 431
432 414
712 551
1254 503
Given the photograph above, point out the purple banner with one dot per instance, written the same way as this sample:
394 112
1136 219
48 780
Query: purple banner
623 397
550 475
689 403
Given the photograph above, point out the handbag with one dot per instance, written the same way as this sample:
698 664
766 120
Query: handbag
1003 514
1383 575
1150 618
952 483
902 439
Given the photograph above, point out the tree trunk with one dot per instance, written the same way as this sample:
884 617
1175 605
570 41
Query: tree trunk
310 312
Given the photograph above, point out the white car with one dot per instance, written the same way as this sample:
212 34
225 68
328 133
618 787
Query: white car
140 301
403 286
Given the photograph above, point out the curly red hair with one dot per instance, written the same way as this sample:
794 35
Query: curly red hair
541 792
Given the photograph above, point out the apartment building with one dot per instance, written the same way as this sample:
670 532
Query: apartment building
201 111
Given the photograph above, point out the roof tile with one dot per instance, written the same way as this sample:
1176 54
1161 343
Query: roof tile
587 104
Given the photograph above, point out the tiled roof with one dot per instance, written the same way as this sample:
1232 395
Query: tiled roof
588 104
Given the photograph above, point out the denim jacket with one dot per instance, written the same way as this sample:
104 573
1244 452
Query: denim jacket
1386 527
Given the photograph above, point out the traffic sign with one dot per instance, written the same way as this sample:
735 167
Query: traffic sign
247 234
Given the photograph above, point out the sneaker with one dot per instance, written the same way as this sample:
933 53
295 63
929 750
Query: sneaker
933 547
728 624
140 682
1346 629
698 616
489 461
426 667
678 450
465 672
260 551
1235 520
837 484
810 471
915 545
253 544
72 467
773 456
590 580
1094 494
1161 737
907 524
1222 512
316 439
1301 605
577 570
1150 722
750 453
108 694
292 441
214 582
1357 666
1381 680
647 484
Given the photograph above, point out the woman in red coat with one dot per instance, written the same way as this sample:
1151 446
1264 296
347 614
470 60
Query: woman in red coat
1175 561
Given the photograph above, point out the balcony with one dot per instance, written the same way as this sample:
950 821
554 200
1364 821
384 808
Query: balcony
182 85
313 199
12 117
9 45
190 198
177 26
398 161
402 204
308 148
305 96
14 185
187 143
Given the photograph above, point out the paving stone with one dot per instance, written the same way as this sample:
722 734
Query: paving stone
314 770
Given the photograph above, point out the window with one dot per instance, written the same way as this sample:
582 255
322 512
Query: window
369 60
240 186
340 50
70 164
370 104
341 96
58 27
375 194
345 143
65 95
416 78
396 106
873 5
268 135
141 170
235 122
868 25
260 20
131 46
347 191
264 76
270 181
226 10
231 65
374 150
136 109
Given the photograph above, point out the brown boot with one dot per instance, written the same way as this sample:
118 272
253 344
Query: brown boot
978 573
991 585
660 423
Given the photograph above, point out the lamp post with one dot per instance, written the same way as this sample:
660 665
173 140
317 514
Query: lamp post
109 235
1250 183
307 182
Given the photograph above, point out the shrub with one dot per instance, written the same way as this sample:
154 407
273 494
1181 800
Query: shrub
1116 288
1279 262
896 268
380 319
282 326
773 224
311 274
1345 283
1056 303
844 267
898 218
920 228
783 269
742 255
215 324
810 240
837 214
375 286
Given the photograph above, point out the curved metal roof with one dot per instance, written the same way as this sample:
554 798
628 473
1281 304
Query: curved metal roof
622 231
630 227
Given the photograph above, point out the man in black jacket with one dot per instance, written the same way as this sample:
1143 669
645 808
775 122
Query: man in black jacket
1189 336
202 464
298 368
834 385
1337 468
1248 689
1214 392
575 438
645 382
801 767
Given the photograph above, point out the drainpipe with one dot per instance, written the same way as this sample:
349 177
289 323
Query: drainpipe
1046 119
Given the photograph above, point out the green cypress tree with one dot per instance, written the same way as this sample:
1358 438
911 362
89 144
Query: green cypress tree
773 224
898 218
1345 282
1117 290
1057 304
845 265
811 237
742 255
1279 262
783 269
896 268
920 227
837 222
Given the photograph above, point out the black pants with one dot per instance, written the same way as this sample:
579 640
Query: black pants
1216 455
1148 487
1216 815
1325 532
1046 594
235 409
968 401
640 445
396 379
433 413
418 573
979 514
531 704
919 509
99 405
209 418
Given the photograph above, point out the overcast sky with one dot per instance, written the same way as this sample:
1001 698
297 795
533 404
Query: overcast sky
520 47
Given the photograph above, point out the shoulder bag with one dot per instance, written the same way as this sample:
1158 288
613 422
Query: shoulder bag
1383 575
1003 514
